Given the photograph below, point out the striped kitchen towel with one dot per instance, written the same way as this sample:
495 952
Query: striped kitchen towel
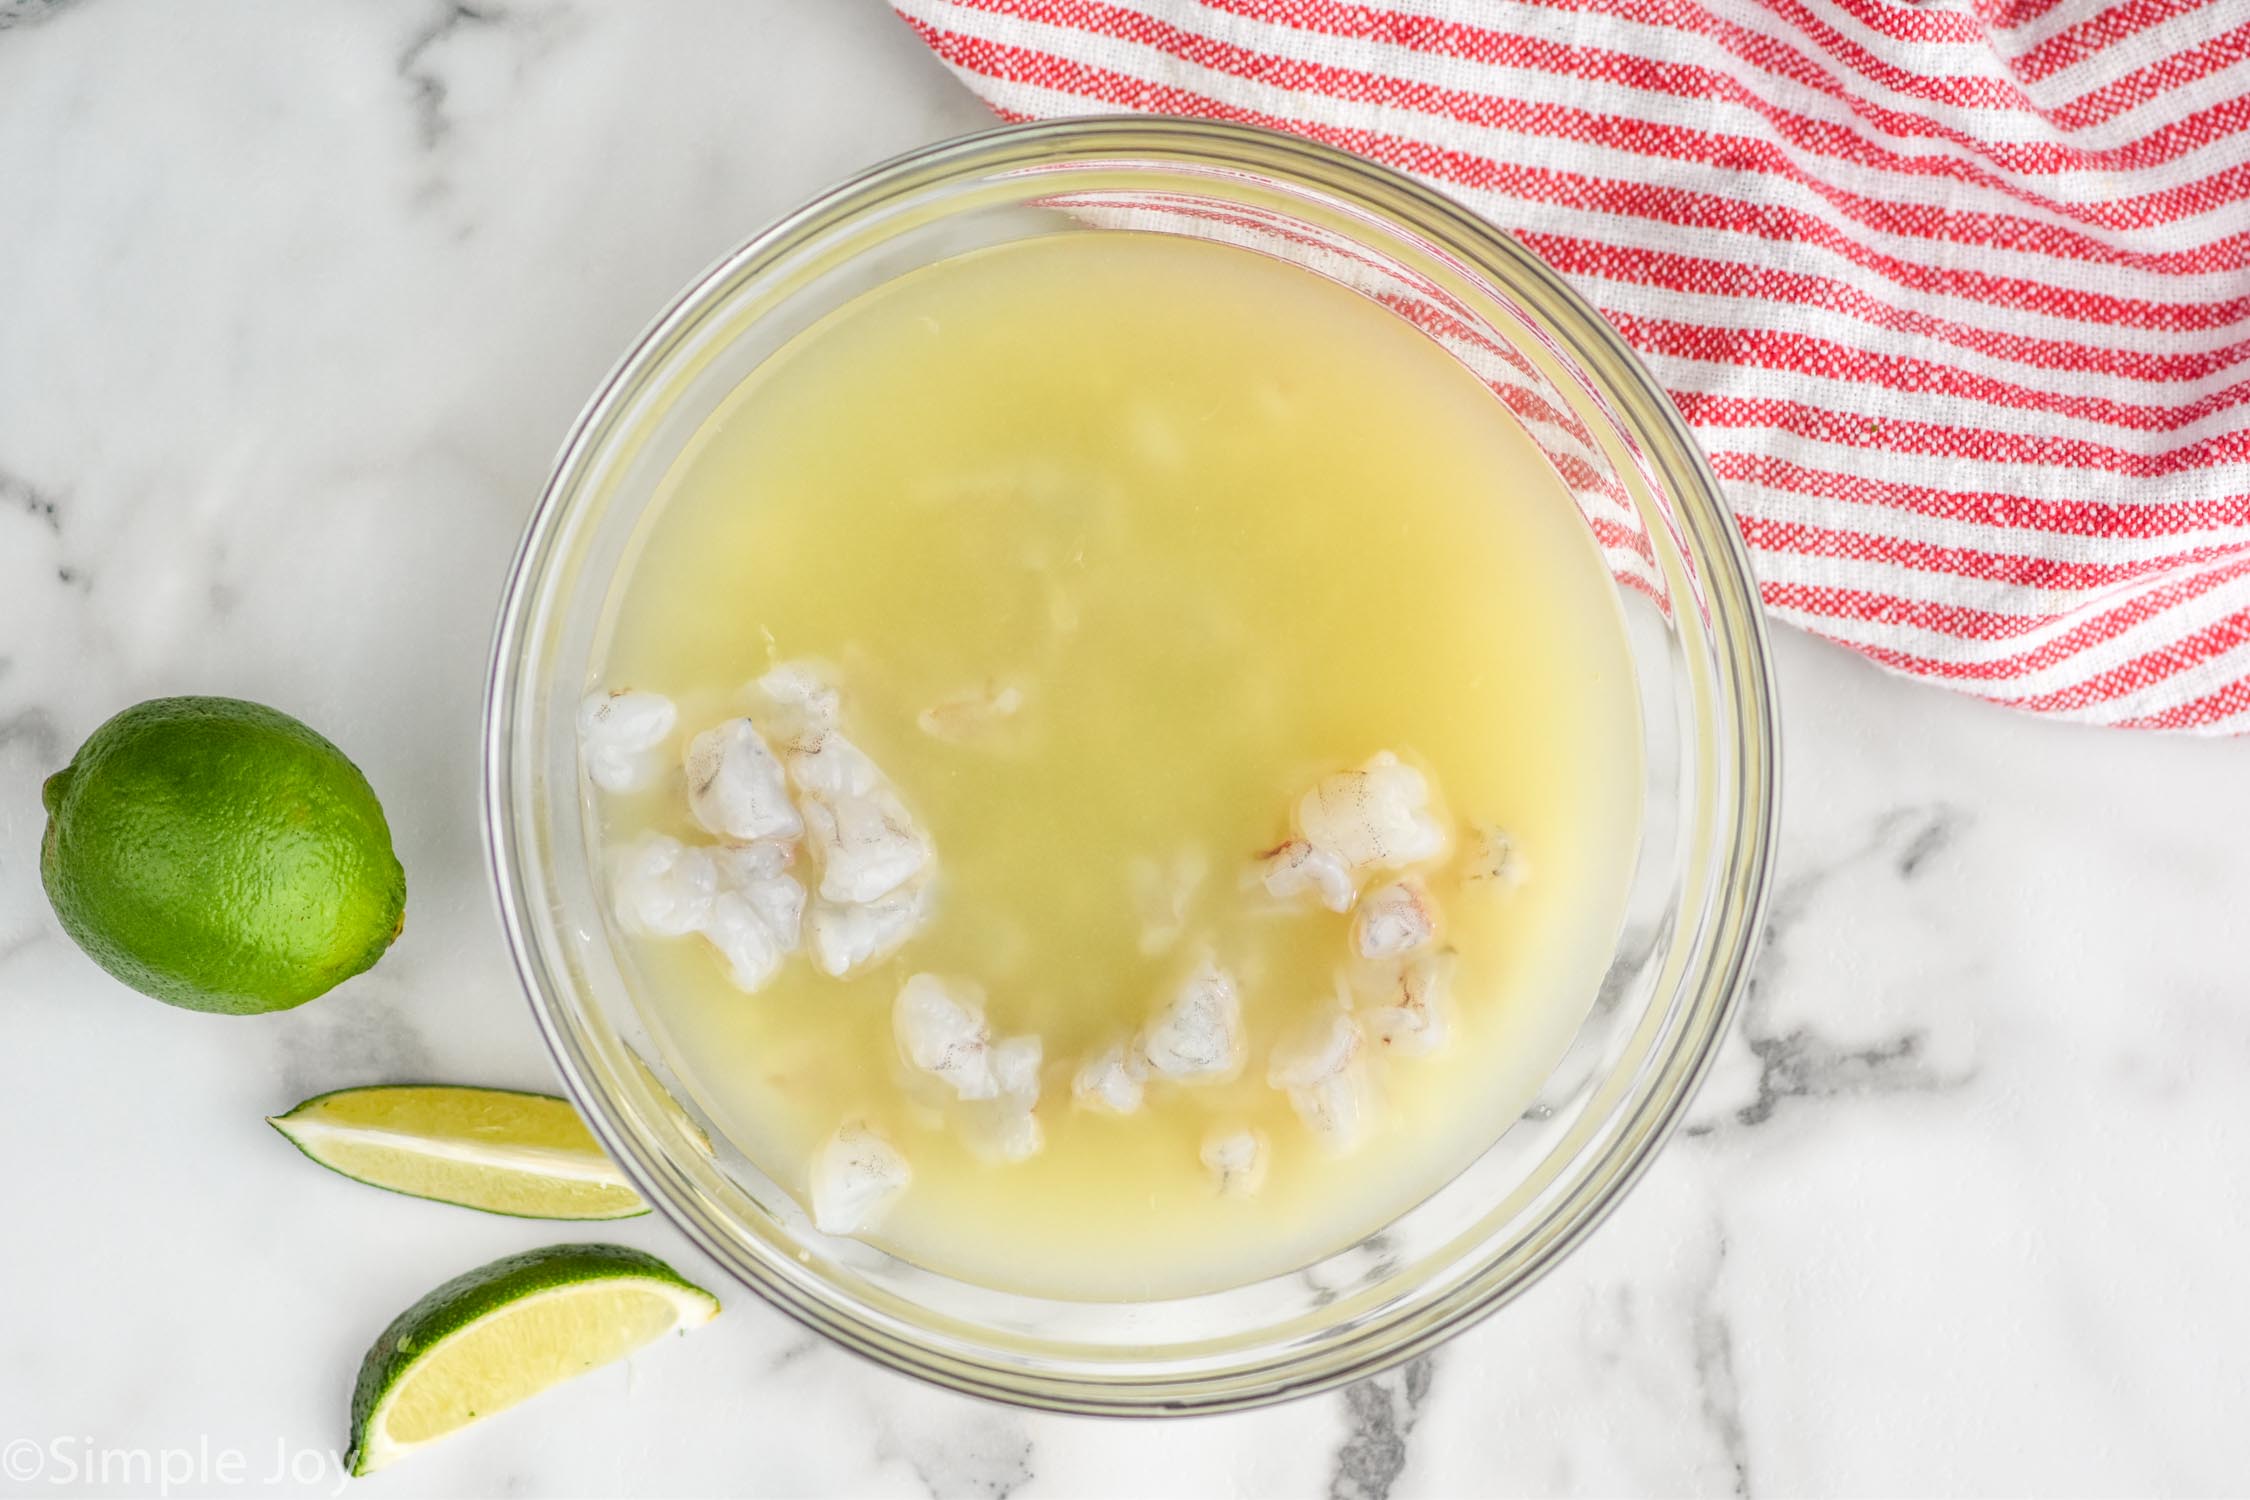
1955 293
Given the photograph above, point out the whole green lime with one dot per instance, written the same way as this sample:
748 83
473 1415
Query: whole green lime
220 855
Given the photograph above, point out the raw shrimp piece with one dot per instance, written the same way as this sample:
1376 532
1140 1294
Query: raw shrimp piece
757 916
848 937
735 787
617 735
752 950
862 835
1006 1129
1197 1035
1377 817
662 887
1295 868
1008 1135
965 717
835 770
1236 1156
1318 1065
1015 1069
856 1174
867 846
1394 919
1413 1024
941 1031
808 701
762 859
1113 1079
1492 855
742 866
1317 1049
1162 894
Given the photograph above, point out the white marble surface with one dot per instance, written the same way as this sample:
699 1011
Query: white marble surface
296 301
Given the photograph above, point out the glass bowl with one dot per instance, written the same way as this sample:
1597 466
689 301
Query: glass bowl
1706 697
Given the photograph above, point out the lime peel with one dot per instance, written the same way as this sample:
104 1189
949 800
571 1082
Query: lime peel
495 1150
504 1332
220 856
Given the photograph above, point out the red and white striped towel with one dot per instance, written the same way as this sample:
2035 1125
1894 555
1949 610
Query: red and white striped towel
1955 293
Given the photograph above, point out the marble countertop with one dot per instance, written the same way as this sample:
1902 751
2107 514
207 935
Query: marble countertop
296 302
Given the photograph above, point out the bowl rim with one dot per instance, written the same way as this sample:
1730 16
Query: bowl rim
1709 538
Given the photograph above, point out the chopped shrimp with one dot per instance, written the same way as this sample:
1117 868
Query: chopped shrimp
735 786
1236 1157
1393 919
1113 1079
967 717
941 1031
848 937
1414 1023
1197 1034
1162 893
662 887
1294 867
1318 1065
618 734
1377 817
856 1174
756 918
859 831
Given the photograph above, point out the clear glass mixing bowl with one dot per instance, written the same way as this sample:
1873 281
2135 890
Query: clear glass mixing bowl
1699 654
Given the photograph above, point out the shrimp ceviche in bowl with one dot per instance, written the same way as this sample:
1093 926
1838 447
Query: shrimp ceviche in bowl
1130 766
1085 790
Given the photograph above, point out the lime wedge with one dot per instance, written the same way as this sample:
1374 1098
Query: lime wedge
492 1149
505 1332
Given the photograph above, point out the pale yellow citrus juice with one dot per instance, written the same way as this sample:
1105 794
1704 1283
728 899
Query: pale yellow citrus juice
1111 546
